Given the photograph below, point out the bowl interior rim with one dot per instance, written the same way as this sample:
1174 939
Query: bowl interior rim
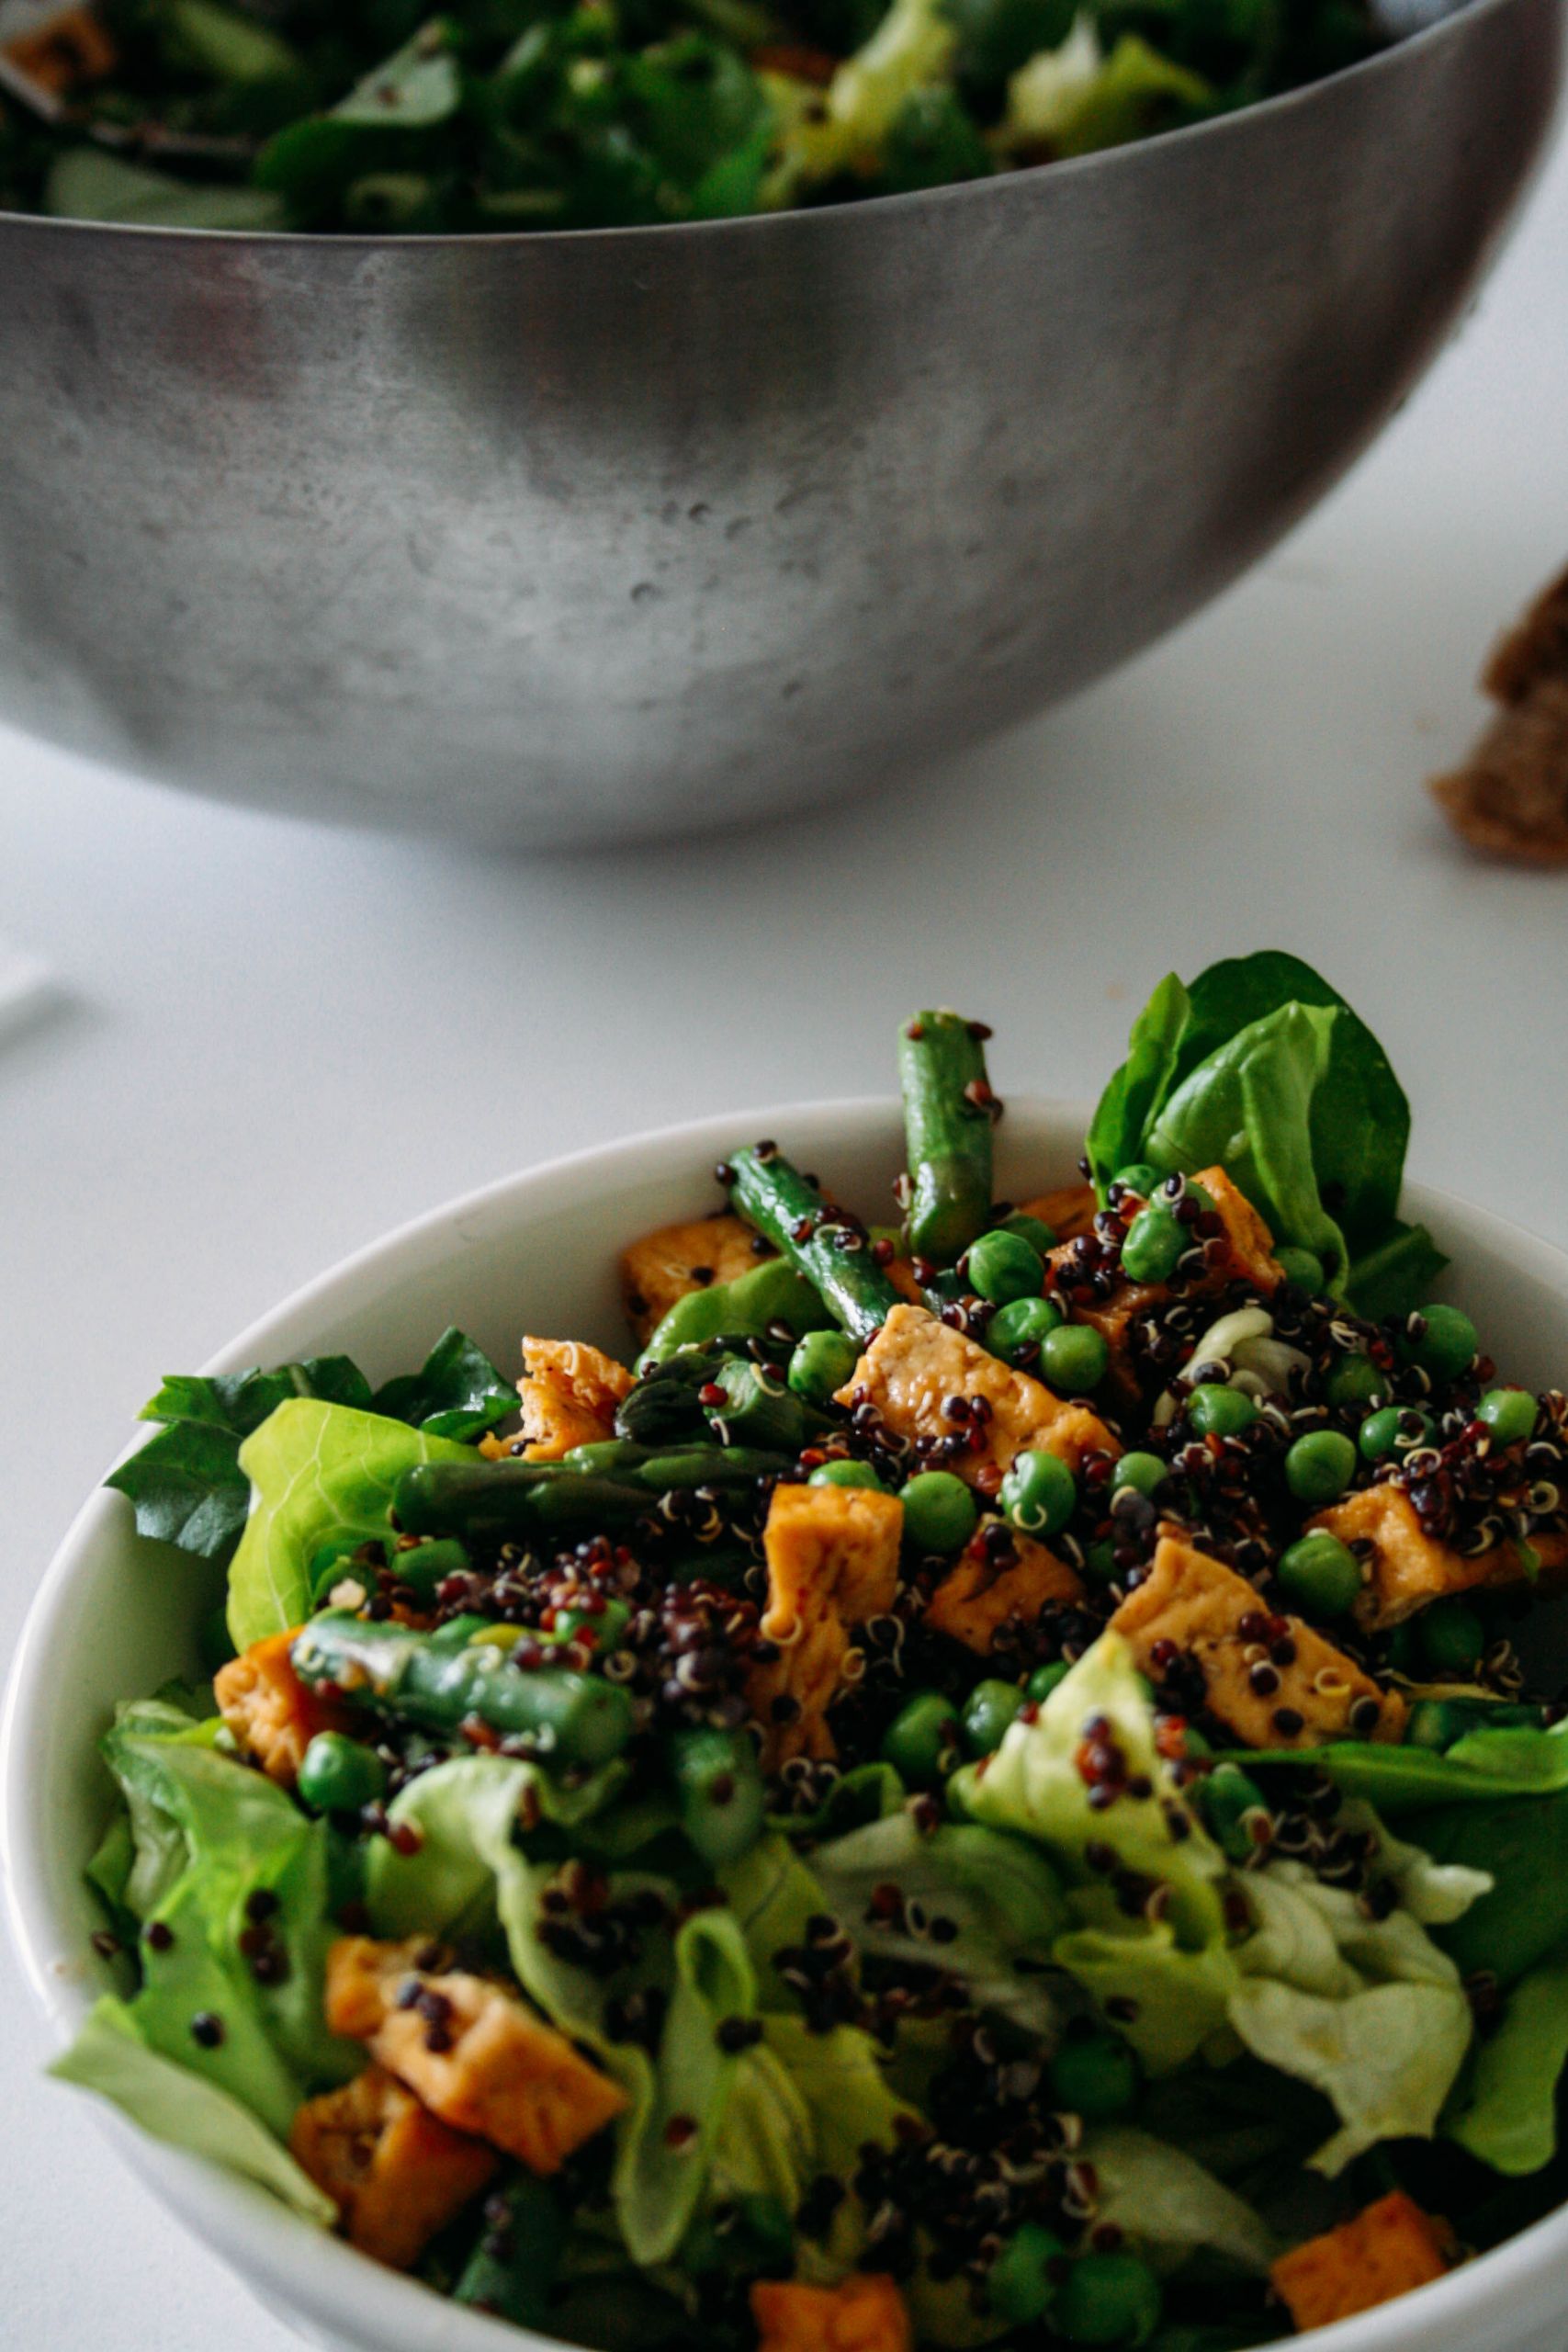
1103 160
293 2266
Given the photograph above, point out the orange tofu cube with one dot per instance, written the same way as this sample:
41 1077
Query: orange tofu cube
396 2173
1202 1607
678 1259
1407 1567
1252 1244
475 2053
570 1393
979 1595
1385 2251
833 1554
916 1363
268 1709
67 52
1070 1211
864 2315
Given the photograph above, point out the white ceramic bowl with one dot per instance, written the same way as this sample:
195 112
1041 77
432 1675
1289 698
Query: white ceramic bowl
540 1248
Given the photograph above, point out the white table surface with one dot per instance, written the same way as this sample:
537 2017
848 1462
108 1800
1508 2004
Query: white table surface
272 1043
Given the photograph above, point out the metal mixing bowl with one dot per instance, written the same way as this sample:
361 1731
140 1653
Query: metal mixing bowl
576 536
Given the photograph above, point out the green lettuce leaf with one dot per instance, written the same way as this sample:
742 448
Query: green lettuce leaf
315 1471
1168 2206
1505 2111
1167 2000
1031 1784
1367 2011
466 1814
1248 1108
772 1894
240 1401
1477 1770
187 1488
1520 1850
458 1391
999 1892
171 2103
1128 1105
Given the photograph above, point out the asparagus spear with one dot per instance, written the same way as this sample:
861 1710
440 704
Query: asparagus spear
948 1113
440 1681
597 1487
832 1250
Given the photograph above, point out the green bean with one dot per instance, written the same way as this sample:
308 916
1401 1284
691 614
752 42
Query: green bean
831 1250
719 1786
511 2268
948 1111
441 1681
759 1410
771 1293
597 1487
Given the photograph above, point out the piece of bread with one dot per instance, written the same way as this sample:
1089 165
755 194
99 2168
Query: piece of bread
1510 798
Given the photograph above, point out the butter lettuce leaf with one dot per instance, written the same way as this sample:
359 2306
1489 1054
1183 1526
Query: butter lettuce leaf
169 2102
315 1470
1168 2206
1001 1902
1505 2111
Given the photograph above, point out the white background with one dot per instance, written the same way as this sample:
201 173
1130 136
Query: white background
272 1043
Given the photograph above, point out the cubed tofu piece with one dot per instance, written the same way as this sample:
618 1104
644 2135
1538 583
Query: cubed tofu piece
473 2052
1252 1244
570 1393
1201 1608
833 1554
1113 1319
1385 2251
980 1594
267 1708
863 2314
678 1259
917 1364
1407 1567
1070 1211
397 2174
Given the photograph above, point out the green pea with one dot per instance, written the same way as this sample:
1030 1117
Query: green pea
1452 1636
1099 1561
1003 1266
1155 1244
1020 2286
1033 1230
1140 1178
1023 1323
1145 1472
1039 1494
1107 2298
1095 2075
939 1512
821 1364
1045 1678
1393 1429
1216 1411
1302 1267
1320 1575
339 1775
1403 1651
990 1709
607 1628
1073 1359
1509 1413
846 1474
424 1566
921 1741
1356 1380
1230 1802
1445 1346
1320 1467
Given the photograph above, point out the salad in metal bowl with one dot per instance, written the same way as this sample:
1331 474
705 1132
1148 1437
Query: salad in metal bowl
525 114
975 1784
